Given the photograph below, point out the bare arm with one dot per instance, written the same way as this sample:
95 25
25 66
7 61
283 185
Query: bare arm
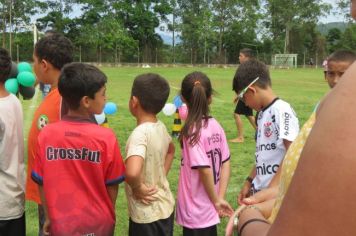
169 158
206 177
47 222
140 190
245 190
112 191
224 178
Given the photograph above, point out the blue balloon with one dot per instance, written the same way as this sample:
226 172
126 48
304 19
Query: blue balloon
110 108
177 101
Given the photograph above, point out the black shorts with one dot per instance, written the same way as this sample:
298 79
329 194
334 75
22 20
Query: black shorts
209 231
14 227
242 109
156 228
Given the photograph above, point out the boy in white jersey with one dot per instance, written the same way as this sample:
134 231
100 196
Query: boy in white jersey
277 124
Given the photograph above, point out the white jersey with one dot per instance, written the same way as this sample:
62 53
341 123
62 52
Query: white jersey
275 122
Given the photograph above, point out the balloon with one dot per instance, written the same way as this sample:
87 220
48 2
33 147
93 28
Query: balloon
24 66
169 109
11 85
26 78
100 118
183 112
177 101
27 92
110 108
14 71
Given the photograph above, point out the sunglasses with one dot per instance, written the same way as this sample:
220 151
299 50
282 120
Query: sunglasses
242 93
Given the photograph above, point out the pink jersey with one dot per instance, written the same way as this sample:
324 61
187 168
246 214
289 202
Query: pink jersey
76 161
194 208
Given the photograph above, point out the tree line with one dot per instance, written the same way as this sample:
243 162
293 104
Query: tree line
202 31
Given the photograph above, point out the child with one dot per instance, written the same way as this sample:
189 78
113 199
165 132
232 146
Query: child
277 125
149 155
12 167
79 168
205 164
241 108
51 53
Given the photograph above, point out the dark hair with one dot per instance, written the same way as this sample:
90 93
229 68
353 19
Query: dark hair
342 55
247 72
5 65
247 52
196 90
56 49
78 80
152 91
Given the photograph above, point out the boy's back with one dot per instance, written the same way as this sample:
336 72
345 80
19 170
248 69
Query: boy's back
78 159
151 141
12 168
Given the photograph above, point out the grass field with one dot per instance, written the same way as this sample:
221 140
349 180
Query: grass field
302 88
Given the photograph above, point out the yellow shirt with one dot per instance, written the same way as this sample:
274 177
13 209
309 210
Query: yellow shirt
290 164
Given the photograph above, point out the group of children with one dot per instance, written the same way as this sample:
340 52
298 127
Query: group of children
75 166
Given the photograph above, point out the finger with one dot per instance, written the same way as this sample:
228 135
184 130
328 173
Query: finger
150 198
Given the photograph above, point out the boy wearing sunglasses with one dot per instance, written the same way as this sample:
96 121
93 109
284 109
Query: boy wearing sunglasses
277 125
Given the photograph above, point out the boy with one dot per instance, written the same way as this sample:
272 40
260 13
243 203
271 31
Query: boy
51 53
12 167
149 155
79 168
241 108
277 124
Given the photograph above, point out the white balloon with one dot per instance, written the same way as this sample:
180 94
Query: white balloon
100 118
169 109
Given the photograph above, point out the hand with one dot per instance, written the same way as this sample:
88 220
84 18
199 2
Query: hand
262 196
266 207
245 192
223 208
144 193
46 227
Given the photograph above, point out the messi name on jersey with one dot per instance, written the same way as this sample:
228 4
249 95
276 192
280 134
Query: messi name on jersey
84 154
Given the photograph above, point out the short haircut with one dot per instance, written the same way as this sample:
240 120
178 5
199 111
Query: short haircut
247 72
5 65
247 52
78 80
152 91
342 56
55 49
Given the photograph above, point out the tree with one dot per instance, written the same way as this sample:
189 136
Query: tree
333 39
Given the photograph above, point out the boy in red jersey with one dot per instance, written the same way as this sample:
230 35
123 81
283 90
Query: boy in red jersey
79 168
51 53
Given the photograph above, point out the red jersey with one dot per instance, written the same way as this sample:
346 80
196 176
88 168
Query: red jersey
76 161
49 111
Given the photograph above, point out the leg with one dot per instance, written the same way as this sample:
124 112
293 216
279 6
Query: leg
252 121
240 133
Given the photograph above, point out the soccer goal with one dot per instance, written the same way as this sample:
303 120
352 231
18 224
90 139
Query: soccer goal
284 60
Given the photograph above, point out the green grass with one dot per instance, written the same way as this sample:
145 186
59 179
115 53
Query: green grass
302 88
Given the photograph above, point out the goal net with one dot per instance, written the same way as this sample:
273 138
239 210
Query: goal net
284 60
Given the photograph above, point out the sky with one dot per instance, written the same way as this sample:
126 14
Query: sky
334 15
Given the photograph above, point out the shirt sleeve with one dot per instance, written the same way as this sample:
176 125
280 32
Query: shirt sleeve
288 123
137 144
115 172
37 171
197 155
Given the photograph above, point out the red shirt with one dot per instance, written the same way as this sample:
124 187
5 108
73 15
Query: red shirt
76 161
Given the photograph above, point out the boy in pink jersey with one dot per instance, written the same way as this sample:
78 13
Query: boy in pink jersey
79 165
205 164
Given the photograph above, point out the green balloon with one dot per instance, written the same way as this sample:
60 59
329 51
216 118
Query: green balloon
26 78
12 86
24 66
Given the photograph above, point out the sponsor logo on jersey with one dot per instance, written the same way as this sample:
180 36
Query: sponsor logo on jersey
286 117
267 170
266 147
84 154
268 129
42 121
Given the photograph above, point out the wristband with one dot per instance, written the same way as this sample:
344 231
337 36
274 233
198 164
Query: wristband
249 179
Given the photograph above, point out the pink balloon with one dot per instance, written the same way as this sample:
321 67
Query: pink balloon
183 112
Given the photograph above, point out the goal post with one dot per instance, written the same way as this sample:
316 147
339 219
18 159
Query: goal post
285 60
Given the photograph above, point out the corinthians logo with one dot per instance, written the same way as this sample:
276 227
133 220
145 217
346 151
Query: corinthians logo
268 129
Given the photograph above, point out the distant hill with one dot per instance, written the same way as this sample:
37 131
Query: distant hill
324 28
